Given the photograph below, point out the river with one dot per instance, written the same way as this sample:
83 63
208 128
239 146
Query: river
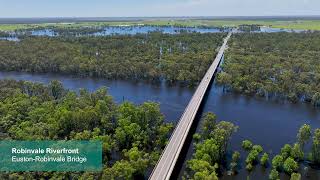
270 124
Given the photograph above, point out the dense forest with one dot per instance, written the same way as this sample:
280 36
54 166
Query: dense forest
133 136
182 58
284 65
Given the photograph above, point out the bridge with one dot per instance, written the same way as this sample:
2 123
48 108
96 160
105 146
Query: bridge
169 157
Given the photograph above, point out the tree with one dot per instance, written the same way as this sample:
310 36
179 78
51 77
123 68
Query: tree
295 176
209 151
138 159
274 175
296 152
290 165
204 175
315 152
87 176
316 99
196 137
209 124
249 166
286 151
264 159
236 156
224 78
277 162
252 157
258 148
247 145
121 169
222 134
235 161
304 134
56 88
202 169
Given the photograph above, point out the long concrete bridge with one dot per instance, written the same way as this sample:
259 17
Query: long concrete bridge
169 157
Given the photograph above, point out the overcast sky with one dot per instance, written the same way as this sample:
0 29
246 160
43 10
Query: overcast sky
129 8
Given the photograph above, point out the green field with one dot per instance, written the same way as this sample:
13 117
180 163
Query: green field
288 24
296 24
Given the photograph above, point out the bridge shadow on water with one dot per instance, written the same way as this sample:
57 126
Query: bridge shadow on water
176 174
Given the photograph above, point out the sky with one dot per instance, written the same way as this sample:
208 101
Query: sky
152 8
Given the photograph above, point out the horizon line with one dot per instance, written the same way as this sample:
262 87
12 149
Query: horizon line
202 16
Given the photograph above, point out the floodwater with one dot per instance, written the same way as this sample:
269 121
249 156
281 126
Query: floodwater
141 29
9 38
270 124
132 30
172 99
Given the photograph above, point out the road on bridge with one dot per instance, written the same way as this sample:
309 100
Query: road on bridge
168 159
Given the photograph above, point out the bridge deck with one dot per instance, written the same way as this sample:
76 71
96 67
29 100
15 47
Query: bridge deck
168 159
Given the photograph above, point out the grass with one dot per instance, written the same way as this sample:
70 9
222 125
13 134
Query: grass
297 24
292 24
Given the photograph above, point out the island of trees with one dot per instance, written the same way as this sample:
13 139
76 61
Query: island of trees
133 136
290 156
153 57
210 148
209 159
283 65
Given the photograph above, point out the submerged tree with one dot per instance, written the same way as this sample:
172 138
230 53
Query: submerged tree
211 150
132 136
277 162
264 159
316 147
235 162
304 134
290 165
295 176
274 175
296 152
247 145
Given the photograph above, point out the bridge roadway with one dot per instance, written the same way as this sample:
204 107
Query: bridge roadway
168 159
